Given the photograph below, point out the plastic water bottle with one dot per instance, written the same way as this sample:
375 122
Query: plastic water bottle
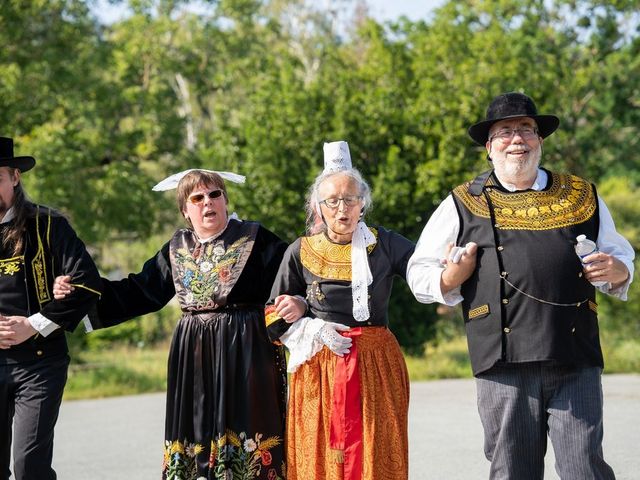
584 248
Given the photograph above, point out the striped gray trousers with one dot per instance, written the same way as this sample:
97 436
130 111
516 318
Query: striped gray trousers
520 404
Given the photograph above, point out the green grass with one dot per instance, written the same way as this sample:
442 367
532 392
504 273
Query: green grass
129 370
117 371
445 360
450 359
621 355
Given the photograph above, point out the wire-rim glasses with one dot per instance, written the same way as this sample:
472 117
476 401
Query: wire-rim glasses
349 201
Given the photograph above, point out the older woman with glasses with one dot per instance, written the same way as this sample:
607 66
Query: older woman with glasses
226 387
349 390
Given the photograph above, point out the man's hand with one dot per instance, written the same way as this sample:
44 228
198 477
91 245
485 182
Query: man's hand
6 332
602 267
62 287
15 330
289 307
458 265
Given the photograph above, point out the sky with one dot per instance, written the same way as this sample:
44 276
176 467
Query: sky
381 10
391 9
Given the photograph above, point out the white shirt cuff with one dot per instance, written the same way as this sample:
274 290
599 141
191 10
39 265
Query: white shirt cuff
42 324
451 298
621 291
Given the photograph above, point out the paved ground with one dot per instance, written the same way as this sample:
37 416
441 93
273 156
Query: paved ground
122 437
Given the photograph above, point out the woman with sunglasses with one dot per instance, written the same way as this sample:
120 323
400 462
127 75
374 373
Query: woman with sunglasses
226 383
349 390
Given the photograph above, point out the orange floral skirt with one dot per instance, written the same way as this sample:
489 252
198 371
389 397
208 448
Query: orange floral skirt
384 392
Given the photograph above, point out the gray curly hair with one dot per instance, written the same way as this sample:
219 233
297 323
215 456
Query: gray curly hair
315 224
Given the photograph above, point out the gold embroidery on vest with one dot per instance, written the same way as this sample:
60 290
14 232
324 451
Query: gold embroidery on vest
569 201
9 266
593 306
39 266
326 259
478 311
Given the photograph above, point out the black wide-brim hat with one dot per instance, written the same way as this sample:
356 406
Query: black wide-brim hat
8 160
512 105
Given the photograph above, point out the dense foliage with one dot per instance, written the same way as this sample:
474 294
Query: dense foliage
257 86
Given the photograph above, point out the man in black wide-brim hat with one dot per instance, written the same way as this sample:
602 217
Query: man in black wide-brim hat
37 245
503 245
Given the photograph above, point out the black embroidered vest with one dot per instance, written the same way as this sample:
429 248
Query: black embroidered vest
527 300
25 281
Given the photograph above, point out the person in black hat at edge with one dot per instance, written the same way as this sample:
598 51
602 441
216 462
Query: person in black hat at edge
37 244
503 245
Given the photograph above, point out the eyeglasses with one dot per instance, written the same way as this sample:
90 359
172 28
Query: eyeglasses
349 201
198 198
506 134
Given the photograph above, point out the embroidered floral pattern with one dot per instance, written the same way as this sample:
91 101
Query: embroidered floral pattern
180 460
231 457
207 270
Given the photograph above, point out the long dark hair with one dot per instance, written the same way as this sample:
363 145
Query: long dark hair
23 209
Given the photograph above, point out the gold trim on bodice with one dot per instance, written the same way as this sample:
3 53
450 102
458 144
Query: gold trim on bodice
326 259
569 201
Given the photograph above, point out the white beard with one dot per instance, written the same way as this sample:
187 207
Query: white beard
515 171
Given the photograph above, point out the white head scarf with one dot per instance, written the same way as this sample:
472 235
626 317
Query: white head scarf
172 181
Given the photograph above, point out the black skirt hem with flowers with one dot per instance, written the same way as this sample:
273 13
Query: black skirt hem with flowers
226 392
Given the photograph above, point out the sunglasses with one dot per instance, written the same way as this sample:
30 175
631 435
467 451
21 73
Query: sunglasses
198 198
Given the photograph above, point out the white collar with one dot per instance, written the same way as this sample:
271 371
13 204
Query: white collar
539 183
8 216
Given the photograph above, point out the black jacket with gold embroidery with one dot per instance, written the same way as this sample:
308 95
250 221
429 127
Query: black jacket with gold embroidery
527 300
51 248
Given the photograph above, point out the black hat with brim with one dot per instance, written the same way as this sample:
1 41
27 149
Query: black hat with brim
512 105
8 160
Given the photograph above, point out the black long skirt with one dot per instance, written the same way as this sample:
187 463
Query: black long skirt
226 394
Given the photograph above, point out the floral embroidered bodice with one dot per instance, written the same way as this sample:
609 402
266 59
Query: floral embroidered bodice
205 273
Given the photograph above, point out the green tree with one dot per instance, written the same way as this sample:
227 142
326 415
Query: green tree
257 87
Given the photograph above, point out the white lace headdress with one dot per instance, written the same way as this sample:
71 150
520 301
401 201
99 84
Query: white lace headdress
172 181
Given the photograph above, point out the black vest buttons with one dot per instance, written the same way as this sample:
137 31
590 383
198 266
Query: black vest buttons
39 353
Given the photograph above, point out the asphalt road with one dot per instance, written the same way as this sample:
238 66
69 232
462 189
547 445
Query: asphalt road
122 437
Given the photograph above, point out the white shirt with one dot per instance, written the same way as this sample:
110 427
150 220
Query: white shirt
38 321
425 268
